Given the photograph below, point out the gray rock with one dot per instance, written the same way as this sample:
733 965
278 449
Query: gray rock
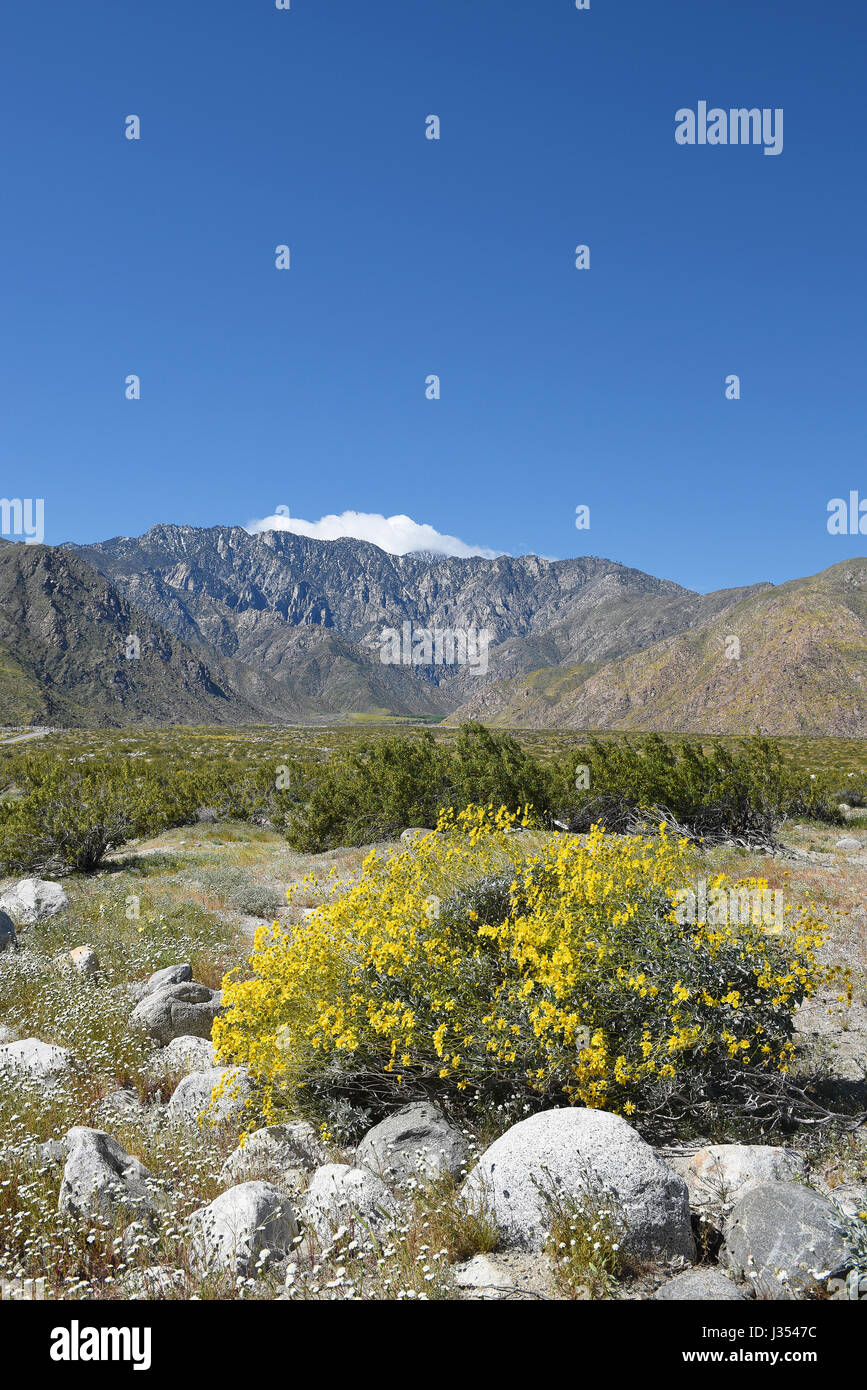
121 1104
32 900
182 1056
275 1152
342 1196
175 1011
485 1276
101 1179
53 1152
848 1197
171 975
573 1153
701 1285
720 1174
849 843
191 1101
8 939
783 1237
235 1231
206 815
417 1141
36 1059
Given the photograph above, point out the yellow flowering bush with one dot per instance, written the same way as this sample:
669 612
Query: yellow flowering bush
488 961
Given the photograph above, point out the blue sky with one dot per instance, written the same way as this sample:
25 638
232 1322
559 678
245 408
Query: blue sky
410 257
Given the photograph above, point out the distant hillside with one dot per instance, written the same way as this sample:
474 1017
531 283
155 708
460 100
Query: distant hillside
63 631
802 670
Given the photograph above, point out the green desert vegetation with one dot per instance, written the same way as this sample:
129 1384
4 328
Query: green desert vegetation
69 800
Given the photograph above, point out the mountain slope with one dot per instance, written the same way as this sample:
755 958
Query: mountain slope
802 670
63 635
310 614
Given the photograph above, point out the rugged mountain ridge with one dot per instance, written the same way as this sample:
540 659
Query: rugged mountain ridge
786 660
311 614
276 627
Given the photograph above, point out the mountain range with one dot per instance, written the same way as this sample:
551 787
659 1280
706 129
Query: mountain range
230 627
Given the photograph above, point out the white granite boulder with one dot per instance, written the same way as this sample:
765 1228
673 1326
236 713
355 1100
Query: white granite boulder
169 975
101 1179
704 1284
572 1154
342 1196
191 1102
37 1060
720 1174
275 1152
175 1011
32 900
182 1056
243 1230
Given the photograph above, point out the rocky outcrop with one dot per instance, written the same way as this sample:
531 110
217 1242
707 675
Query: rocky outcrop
243 1229
37 1060
342 1196
101 1179
32 900
192 1102
282 1153
703 1285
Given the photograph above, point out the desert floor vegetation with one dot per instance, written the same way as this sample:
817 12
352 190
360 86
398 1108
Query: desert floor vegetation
468 968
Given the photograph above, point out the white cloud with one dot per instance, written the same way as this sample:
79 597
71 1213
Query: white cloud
396 534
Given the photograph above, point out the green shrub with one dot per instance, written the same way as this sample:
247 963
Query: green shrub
69 820
67 812
374 793
718 794
357 798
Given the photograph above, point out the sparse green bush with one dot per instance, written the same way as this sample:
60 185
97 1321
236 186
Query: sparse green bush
69 820
68 814
357 798
720 794
374 793
63 813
